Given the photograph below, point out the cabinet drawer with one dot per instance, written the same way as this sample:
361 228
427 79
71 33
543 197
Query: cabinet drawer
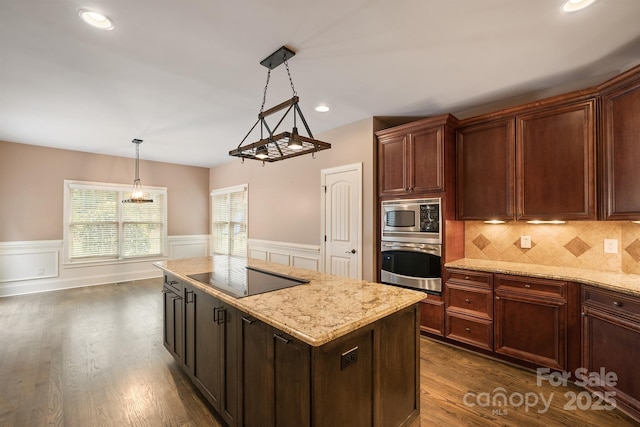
476 332
527 284
172 283
483 280
613 300
469 300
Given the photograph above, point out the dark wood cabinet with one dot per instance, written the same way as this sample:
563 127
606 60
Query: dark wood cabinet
620 146
211 350
432 315
611 343
485 186
173 338
533 162
469 312
530 320
555 163
276 377
411 157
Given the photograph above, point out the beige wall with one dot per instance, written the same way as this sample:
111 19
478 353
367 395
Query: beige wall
31 189
284 197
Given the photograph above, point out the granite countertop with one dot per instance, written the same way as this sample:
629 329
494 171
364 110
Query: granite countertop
317 312
620 282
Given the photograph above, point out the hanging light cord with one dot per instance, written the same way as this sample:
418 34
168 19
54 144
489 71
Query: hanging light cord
137 162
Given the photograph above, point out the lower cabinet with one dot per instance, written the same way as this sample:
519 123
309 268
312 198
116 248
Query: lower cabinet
255 375
275 377
611 344
173 338
211 350
469 300
432 315
530 320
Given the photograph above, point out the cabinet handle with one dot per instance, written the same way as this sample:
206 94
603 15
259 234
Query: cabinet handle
175 297
497 297
166 291
189 294
617 303
467 300
467 329
172 282
247 320
219 315
281 338
528 286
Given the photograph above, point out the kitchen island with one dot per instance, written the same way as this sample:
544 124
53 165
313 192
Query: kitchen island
329 351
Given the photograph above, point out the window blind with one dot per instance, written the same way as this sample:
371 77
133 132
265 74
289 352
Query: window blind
101 227
229 226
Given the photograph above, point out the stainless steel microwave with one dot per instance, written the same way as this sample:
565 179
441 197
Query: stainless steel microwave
412 220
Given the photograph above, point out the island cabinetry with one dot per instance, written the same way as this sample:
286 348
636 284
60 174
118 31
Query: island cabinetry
486 170
620 149
432 315
275 377
211 350
469 312
531 320
411 157
538 158
611 342
173 338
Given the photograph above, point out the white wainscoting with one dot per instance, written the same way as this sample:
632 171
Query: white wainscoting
293 254
37 266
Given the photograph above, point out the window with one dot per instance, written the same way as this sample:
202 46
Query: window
229 216
99 227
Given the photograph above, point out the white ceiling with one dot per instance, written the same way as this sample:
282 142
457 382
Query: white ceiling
185 77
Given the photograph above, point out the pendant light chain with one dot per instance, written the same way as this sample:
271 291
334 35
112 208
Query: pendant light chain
264 94
293 89
137 162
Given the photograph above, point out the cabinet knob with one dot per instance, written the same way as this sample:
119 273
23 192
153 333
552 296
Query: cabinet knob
466 277
528 286
467 300
467 329
617 303
497 297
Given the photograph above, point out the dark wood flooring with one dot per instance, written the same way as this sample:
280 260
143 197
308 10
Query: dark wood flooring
94 357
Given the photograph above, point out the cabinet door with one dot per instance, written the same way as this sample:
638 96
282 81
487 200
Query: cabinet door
426 160
486 171
611 343
556 163
173 336
276 377
206 343
392 166
621 136
228 322
531 328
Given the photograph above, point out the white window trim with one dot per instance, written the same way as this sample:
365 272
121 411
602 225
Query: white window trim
69 184
226 190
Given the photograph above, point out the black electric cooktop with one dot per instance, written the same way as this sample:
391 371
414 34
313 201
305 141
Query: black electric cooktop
242 282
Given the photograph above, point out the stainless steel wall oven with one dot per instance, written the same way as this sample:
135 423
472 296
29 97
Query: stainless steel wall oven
411 244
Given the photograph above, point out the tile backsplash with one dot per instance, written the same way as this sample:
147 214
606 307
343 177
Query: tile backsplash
577 244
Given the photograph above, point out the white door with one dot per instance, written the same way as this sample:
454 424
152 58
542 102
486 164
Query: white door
342 222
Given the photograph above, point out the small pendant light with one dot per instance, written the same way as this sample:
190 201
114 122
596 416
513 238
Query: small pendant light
137 195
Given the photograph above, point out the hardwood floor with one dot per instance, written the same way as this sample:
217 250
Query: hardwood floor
94 357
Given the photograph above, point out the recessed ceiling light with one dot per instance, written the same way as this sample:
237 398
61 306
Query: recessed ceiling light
96 19
575 5
322 108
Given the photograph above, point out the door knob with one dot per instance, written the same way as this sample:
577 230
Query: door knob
352 251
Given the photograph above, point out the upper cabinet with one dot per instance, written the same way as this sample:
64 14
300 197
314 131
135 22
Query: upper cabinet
486 171
621 146
535 162
411 157
555 163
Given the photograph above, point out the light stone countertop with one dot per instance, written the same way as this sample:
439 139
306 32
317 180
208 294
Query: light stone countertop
317 312
620 282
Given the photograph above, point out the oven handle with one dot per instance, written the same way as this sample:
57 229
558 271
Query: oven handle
413 247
